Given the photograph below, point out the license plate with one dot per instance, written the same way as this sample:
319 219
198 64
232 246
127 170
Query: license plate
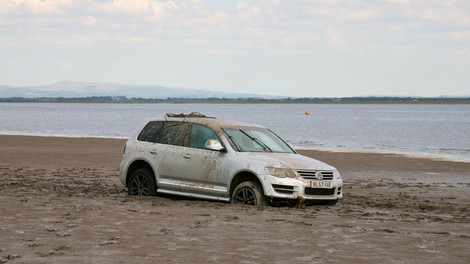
320 184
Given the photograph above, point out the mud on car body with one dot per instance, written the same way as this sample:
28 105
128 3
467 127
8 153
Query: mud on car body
196 156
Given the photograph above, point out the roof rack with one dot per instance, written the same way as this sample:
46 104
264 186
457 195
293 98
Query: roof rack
190 115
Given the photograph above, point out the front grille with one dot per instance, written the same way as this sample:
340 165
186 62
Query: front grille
317 191
315 175
283 188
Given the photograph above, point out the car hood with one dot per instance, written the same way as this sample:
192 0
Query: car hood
291 161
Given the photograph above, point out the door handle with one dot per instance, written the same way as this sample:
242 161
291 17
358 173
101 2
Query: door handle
154 152
186 156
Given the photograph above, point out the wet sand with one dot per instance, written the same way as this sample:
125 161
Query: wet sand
61 201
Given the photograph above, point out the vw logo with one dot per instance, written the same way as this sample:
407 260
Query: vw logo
319 175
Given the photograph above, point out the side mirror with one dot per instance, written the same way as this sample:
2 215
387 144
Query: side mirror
214 144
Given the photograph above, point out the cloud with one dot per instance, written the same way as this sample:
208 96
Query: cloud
61 41
237 31
37 7
361 15
400 1
73 7
89 21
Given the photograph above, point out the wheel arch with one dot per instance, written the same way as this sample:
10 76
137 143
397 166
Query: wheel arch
138 164
244 176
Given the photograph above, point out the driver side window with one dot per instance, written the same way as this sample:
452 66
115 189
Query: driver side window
199 135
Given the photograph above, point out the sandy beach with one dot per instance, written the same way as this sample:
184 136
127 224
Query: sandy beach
61 202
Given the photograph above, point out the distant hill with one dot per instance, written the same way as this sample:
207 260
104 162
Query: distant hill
122 93
86 89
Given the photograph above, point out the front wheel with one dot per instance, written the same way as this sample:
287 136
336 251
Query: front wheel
142 183
248 193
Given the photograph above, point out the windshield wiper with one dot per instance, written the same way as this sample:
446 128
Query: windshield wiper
259 142
234 142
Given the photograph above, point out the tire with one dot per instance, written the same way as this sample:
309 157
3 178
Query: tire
248 193
142 183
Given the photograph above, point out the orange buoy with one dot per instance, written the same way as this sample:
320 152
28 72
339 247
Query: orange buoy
307 112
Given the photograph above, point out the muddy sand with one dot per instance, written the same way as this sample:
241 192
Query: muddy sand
61 202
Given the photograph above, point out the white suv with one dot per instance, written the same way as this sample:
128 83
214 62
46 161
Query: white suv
196 156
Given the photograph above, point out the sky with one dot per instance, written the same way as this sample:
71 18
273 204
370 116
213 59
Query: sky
304 48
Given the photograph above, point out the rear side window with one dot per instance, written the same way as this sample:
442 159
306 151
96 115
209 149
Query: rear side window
200 134
175 133
170 133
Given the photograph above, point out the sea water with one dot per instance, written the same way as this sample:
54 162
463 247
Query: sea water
433 130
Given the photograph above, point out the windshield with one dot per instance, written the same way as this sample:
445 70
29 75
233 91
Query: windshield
256 140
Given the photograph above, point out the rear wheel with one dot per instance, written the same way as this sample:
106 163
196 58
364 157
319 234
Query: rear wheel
248 193
142 183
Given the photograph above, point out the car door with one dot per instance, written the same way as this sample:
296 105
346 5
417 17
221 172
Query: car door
202 170
167 153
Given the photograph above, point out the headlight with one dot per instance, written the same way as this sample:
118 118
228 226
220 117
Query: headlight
280 172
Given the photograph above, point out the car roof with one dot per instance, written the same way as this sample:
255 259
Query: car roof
215 124
211 122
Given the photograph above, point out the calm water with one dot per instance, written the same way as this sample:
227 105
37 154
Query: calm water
424 130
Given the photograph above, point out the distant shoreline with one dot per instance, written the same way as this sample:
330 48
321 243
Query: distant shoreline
332 100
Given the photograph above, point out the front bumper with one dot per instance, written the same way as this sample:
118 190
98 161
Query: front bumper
299 188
